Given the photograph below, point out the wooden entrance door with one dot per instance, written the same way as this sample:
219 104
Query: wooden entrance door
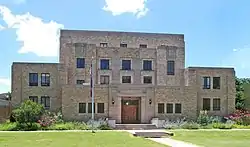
130 111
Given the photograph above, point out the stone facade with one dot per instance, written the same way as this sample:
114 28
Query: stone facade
183 87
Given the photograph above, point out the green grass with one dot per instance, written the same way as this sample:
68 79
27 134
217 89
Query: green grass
73 139
221 138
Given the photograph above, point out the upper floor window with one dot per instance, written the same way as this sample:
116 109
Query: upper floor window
147 65
123 45
206 82
126 79
45 79
147 79
170 68
104 64
104 79
80 82
80 63
206 104
143 46
216 82
103 44
126 64
45 101
34 98
33 79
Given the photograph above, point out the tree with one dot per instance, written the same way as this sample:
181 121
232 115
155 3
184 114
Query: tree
240 96
28 113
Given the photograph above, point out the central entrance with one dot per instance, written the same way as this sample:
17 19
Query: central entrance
130 113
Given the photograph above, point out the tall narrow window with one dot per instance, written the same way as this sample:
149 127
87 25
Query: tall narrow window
126 64
82 107
100 107
90 107
170 68
33 98
147 65
206 104
33 79
45 101
104 79
170 108
177 108
216 104
161 108
216 82
80 63
45 79
206 83
104 64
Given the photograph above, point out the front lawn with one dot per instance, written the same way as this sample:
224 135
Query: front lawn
209 138
73 139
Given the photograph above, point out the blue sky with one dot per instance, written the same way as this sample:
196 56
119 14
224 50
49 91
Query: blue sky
217 32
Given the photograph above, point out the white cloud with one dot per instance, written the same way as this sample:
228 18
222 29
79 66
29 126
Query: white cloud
5 81
1 27
118 7
36 36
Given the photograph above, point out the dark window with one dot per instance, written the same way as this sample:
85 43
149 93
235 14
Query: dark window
170 68
103 44
104 79
216 104
33 79
206 82
178 108
34 98
126 64
100 107
147 65
80 63
45 101
123 45
90 107
147 80
80 82
206 104
216 82
170 108
104 64
82 107
143 46
126 79
161 108
45 79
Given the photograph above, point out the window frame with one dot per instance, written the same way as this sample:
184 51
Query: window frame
103 79
124 64
33 77
103 107
161 110
46 81
124 78
124 45
83 108
80 62
176 108
147 65
167 108
106 67
218 106
143 46
170 67
47 98
209 104
103 44
206 82
33 99
219 82
147 77
90 107
80 82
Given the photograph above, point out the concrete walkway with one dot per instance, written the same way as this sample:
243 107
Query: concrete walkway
172 142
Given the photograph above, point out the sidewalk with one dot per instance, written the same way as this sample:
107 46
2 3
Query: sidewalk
172 142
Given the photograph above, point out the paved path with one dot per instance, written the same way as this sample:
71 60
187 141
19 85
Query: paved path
172 142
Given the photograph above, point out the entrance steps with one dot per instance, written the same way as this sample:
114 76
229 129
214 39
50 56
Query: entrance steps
151 133
135 126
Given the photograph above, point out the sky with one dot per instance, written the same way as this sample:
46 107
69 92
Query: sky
217 32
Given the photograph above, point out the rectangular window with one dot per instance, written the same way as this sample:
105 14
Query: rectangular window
126 64
170 108
161 108
123 45
206 82
104 64
100 107
82 108
103 44
33 79
216 104
45 101
33 98
45 79
147 79
177 108
170 68
147 65
206 104
90 107
80 63
104 79
126 79
80 82
216 82
143 46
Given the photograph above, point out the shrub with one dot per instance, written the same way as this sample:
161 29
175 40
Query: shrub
173 124
241 117
28 113
236 126
99 124
222 126
10 126
203 118
68 126
190 125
